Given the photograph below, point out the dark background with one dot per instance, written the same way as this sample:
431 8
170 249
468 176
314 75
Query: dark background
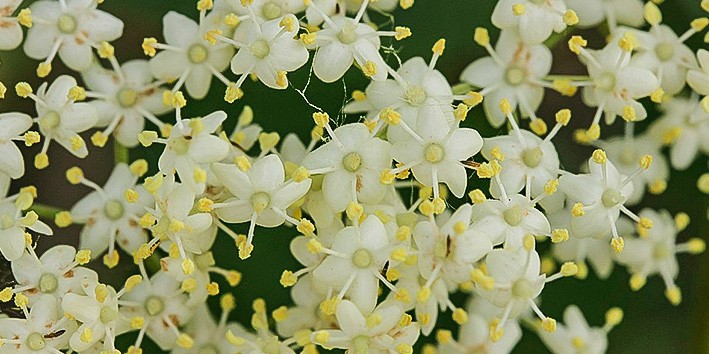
651 324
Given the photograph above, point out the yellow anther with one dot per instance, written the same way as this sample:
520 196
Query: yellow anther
460 227
403 233
481 36
86 335
696 245
473 98
131 196
132 282
705 5
147 137
153 183
564 87
83 257
594 132
187 266
314 246
614 316
439 206
402 295
423 294
243 163
628 42
63 219
460 316
489 169
233 93
139 167
528 242
505 106
354 211
3 90
551 186
549 324
231 20
288 279
497 154
390 116
478 276
519 9
76 142
404 349
576 43
149 46
101 293
393 274
43 69
477 196
99 139
569 269
305 227
369 68
439 46
658 95
204 204
188 285
406 4
359 96
75 175
599 156
233 278
563 116
681 221
703 183
24 17
571 18
398 254
309 38
300 174
233 339
288 23
321 119
629 114
373 320
23 89
652 13
426 208
402 32
185 341
176 225
321 337
178 100
280 314
461 112
106 50
618 244
559 235
674 294
6 294
645 222
699 24
143 251
227 302
444 336
538 127
205 5
199 175
212 289
577 210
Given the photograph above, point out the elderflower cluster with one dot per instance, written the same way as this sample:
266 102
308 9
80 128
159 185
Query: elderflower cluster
384 201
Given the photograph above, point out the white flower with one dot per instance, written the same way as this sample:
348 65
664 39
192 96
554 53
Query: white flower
575 335
13 124
698 79
508 220
69 28
625 152
13 225
537 20
598 199
188 57
246 133
357 256
514 71
191 147
10 29
264 10
664 53
685 127
414 85
109 218
61 118
263 341
268 50
655 252
43 331
616 83
97 311
260 195
55 273
426 305
160 303
593 12
435 149
209 336
351 163
344 40
126 97
386 335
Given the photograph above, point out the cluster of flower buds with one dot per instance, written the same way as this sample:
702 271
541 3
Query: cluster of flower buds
388 227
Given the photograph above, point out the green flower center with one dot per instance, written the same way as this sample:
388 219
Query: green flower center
271 11
522 289
361 344
35 341
665 51
6 222
606 81
179 145
197 53
113 209
208 349
532 157
154 305
434 153
66 24
260 201
415 95
127 97
611 198
108 314
352 162
48 283
514 75
260 48
50 120
661 251
347 34
513 216
362 258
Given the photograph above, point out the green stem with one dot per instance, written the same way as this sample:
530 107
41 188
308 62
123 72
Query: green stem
45 211
568 77
152 263
120 153
556 38
461 88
